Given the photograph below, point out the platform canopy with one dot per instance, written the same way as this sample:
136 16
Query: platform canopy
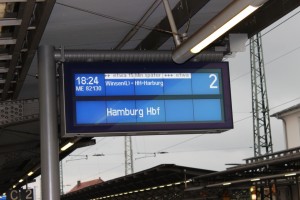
79 24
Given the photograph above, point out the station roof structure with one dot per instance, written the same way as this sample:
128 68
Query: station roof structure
78 24
281 167
146 181
289 110
81 185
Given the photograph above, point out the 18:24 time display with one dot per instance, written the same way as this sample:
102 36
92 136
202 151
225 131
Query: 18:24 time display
90 80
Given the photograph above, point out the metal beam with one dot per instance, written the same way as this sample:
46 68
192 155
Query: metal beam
10 91
16 49
116 56
251 167
10 22
43 11
182 13
3 70
5 57
14 112
7 41
172 23
10 15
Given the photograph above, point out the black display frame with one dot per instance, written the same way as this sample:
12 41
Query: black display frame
67 93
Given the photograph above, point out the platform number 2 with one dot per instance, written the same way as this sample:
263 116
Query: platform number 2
20 195
213 84
29 194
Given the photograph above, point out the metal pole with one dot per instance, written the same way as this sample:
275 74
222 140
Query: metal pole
260 106
172 22
298 189
128 156
48 124
61 178
81 55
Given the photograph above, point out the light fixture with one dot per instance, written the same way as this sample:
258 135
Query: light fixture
30 173
223 29
267 177
21 180
224 21
14 186
188 181
290 174
68 145
255 179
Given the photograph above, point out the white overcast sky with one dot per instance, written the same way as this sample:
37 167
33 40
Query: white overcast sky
281 49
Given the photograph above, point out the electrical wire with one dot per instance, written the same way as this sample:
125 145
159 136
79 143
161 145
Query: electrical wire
284 103
240 120
177 144
268 63
250 116
88 148
269 32
283 55
281 23
217 149
107 170
115 18
273 28
235 122
189 14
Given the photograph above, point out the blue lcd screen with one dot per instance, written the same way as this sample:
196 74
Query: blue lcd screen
120 99
134 111
133 84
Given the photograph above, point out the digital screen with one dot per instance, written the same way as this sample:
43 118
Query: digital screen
145 98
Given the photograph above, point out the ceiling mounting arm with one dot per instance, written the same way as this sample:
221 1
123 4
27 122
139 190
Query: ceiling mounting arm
172 23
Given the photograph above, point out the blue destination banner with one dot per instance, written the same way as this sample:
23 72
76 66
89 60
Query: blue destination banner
146 84
141 111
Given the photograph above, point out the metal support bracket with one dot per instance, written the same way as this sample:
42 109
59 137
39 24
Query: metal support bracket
172 23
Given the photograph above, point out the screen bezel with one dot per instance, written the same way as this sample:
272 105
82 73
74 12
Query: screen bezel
70 129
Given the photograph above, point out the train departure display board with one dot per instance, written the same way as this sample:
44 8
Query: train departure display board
110 99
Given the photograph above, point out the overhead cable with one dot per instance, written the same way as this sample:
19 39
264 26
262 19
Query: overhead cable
114 18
